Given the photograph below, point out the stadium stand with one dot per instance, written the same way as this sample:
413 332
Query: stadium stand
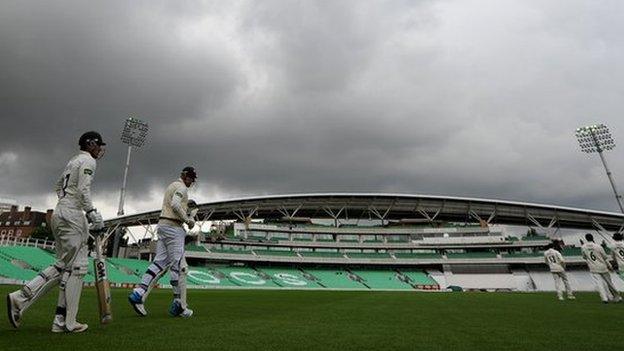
129 267
419 279
480 281
571 251
403 239
334 278
276 253
137 267
417 255
522 254
395 261
115 275
247 277
381 280
288 277
195 247
321 254
35 257
535 237
469 255
208 276
373 255
11 271
231 251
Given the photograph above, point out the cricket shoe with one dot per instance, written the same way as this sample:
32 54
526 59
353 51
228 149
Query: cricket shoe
78 328
58 326
187 313
136 300
13 310
175 309
571 297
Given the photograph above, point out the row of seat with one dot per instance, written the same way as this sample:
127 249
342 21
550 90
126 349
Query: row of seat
399 255
23 263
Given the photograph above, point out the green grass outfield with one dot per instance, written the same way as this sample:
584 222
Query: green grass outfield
330 320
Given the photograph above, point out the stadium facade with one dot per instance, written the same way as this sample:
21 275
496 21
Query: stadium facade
370 241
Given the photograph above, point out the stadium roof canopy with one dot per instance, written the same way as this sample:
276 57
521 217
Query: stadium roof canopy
393 207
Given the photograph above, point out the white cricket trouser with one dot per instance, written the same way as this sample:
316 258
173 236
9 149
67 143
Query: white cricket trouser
71 232
169 255
605 286
561 282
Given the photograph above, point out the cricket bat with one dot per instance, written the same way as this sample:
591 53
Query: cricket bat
102 285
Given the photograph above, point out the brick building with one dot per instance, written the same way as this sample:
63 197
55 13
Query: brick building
6 204
23 223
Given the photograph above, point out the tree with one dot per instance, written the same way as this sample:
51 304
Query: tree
42 232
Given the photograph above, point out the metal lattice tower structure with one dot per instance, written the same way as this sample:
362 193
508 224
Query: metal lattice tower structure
596 139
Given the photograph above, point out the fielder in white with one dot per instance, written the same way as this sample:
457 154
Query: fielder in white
170 248
617 251
600 268
71 231
556 263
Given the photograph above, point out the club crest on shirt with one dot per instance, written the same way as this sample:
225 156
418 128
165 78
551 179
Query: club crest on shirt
88 171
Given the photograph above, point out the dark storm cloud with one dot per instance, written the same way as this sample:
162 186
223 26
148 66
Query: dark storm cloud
75 67
466 98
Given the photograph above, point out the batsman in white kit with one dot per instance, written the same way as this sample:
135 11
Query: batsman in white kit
71 231
170 248
617 250
556 263
600 268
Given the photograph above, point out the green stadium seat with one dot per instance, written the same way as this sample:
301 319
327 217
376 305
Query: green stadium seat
572 251
195 248
290 278
321 254
464 255
115 275
9 270
208 276
276 253
231 251
373 255
522 254
256 238
398 240
417 255
419 279
129 266
334 278
385 279
535 237
35 257
244 276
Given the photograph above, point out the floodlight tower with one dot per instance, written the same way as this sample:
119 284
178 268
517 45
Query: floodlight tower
133 134
597 138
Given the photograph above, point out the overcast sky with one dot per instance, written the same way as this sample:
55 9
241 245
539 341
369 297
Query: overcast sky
465 98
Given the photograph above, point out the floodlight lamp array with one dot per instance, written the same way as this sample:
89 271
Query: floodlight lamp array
134 132
595 138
